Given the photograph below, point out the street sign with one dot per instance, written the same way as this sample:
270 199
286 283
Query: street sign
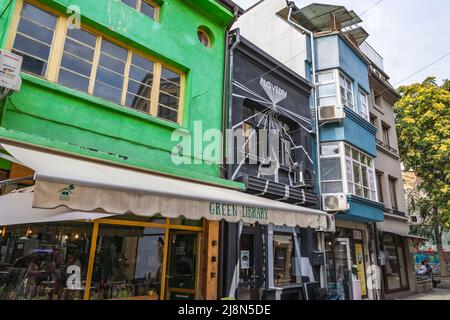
10 65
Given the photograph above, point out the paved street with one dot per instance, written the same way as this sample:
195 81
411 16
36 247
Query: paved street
436 294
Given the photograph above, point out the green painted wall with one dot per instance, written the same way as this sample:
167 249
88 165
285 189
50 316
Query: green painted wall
49 114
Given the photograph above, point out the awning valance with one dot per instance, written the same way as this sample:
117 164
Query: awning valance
90 185
16 208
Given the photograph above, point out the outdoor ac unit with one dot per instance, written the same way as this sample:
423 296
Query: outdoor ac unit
331 113
334 202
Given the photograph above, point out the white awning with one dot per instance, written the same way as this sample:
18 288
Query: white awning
399 227
16 208
394 226
92 185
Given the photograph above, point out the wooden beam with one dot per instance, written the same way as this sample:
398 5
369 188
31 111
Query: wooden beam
211 264
18 171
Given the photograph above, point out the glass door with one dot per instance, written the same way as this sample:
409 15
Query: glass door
341 280
182 264
250 264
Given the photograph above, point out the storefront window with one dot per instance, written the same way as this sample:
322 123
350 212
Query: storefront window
44 261
392 274
394 263
128 263
283 259
247 261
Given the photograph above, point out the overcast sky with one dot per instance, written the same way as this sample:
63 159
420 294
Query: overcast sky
409 34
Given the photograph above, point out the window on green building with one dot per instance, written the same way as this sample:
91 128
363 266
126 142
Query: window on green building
91 63
146 7
169 95
78 55
34 38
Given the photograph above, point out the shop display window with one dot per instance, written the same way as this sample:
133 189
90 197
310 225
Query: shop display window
128 263
44 261
283 259
394 264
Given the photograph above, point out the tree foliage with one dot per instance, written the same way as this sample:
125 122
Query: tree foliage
423 127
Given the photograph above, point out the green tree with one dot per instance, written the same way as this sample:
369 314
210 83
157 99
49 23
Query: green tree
423 126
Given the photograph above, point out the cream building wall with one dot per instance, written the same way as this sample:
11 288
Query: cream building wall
263 27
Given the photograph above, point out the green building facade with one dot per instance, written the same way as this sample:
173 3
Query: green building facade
120 86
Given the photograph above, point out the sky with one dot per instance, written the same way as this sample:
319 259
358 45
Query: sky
409 34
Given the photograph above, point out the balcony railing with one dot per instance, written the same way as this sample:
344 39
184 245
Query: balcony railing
374 56
387 147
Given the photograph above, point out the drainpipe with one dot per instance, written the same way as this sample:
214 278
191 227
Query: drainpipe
291 5
227 68
226 85
234 44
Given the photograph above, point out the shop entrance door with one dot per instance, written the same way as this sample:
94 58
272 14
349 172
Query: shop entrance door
182 265
343 263
250 257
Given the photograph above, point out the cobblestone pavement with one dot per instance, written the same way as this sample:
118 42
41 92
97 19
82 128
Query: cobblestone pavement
436 294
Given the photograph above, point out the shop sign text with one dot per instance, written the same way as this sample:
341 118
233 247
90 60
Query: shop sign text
232 210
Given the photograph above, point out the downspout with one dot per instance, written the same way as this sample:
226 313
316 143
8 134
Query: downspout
226 86
291 5
222 235
234 44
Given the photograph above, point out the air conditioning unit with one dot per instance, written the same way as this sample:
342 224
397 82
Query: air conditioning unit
331 113
334 202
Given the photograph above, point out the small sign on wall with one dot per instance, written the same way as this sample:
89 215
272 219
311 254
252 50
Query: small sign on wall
10 65
357 235
245 259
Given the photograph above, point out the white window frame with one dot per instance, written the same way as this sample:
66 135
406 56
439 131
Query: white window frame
343 177
373 192
319 84
347 89
363 105
356 105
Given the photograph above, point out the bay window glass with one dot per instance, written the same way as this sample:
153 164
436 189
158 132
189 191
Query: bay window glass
283 259
360 174
346 89
326 89
331 170
47 261
34 38
363 105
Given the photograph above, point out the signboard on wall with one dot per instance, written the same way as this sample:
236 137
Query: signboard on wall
245 259
10 65
359 254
